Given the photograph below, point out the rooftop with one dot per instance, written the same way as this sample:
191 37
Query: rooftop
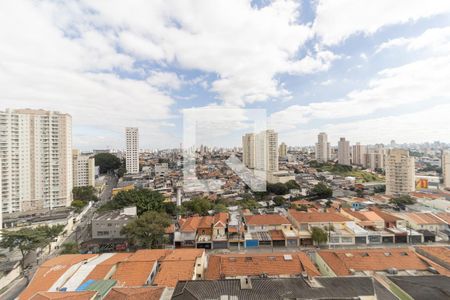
64 295
133 273
252 264
269 219
140 293
344 261
317 217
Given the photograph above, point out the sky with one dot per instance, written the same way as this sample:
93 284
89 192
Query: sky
370 71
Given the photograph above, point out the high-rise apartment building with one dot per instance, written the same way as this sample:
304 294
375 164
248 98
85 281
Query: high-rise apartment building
248 150
260 151
132 155
375 158
83 169
283 150
344 152
323 149
446 168
400 172
35 160
359 154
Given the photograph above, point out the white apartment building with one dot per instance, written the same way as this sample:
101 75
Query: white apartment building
248 150
83 169
283 150
260 151
446 168
400 172
323 149
344 152
35 159
359 154
132 155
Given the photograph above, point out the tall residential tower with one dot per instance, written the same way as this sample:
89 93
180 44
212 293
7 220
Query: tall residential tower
132 155
400 172
344 152
446 168
35 159
323 150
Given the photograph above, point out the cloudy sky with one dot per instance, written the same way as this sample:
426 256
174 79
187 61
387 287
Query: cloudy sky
368 70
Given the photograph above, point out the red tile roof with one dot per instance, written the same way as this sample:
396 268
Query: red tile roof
133 273
270 219
343 261
255 264
50 271
140 293
317 217
86 295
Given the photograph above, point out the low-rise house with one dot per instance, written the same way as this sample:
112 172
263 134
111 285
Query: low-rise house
227 266
269 230
345 262
341 230
219 230
423 221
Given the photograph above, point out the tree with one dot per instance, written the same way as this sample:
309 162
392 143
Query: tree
107 162
143 199
249 204
319 235
78 205
279 200
122 169
220 208
277 188
292 185
51 233
148 230
199 206
85 193
321 191
24 239
379 189
69 248
403 200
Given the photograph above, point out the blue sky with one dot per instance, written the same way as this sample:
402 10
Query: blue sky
371 71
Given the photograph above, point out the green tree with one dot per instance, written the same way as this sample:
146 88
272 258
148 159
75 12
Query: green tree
144 200
170 208
148 230
51 233
69 248
24 239
78 205
403 200
107 162
292 185
319 235
379 189
220 208
85 193
122 169
277 188
199 206
321 191
279 200
249 204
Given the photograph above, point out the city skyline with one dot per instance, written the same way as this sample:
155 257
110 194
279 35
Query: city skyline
356 73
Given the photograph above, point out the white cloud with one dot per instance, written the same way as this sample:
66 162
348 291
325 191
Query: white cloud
336 20
436 40
165 80
415 82
245 46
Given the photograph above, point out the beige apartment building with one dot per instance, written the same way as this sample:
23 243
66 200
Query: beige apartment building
83 169
359 154
35 159
323 149
283 150
400 172
344 152
446 168
260 151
